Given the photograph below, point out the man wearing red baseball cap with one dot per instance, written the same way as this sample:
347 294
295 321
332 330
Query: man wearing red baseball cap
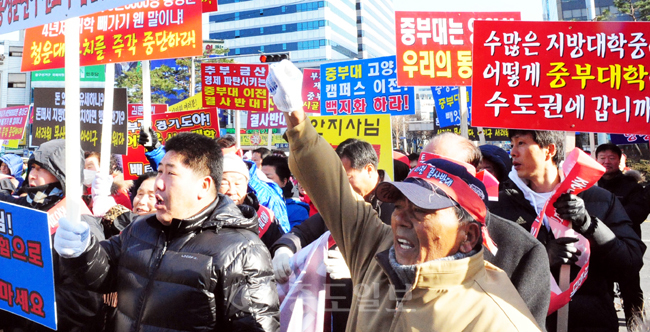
426 271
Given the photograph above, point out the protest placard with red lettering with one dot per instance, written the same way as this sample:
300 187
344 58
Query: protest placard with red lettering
266 120
311 90
135 110
235 86
166 126
146 30
571 76
13 121
435 48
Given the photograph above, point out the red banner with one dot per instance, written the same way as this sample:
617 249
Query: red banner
135 110
235 86
266 120
146 30
166 125
209 6
435 48
13 121
571 76
311 90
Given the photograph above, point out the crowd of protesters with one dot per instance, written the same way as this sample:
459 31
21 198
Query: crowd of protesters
204 241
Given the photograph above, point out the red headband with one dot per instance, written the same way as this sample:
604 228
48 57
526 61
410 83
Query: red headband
424 156
454 187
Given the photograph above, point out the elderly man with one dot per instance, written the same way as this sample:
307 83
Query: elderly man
196 265
423 271
519 254
595 213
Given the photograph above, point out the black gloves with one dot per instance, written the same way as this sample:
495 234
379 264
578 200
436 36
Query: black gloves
148 139
562 251
572 208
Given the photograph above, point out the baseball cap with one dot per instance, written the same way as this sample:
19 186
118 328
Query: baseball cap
437 184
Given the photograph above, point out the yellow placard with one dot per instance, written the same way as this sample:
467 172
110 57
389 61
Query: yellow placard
189 104
12 143
258 139
374 129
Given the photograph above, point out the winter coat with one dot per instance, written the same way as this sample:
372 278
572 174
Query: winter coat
631 195
249 209
77 309
313 227
615 251
461 295
15 164
525 261
210 272
297 211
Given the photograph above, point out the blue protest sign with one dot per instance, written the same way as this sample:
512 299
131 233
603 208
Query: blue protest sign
27 274
364 87
620 139
448 104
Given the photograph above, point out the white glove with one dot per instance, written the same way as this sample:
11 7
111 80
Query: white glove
335 265
101 185
282 264
71 239
285 84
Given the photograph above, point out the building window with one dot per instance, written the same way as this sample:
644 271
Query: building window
284 47
284 27
237 51
17 80
15 51
237 34
261 30
262 48
237 16
284 9
567 14
261 12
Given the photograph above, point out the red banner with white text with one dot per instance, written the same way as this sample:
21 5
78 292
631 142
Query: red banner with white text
570 76
166 126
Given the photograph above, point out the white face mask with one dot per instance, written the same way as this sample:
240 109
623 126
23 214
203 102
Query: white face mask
89 176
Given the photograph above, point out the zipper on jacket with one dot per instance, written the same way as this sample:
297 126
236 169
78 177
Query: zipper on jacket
398 307
153 270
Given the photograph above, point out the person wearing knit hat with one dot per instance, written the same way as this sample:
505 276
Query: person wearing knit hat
496 161
234 184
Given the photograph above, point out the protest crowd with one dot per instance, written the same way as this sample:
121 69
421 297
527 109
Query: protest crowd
210 238
331 235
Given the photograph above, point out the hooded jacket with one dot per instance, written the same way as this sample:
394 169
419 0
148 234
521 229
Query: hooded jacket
15 164
77 309
615 251
468 294
209 272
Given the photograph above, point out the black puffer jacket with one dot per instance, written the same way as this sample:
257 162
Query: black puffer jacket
631 195
210 272
615 251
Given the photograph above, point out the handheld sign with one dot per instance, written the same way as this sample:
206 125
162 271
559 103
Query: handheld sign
27 273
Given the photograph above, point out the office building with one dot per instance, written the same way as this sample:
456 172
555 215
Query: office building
312 32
